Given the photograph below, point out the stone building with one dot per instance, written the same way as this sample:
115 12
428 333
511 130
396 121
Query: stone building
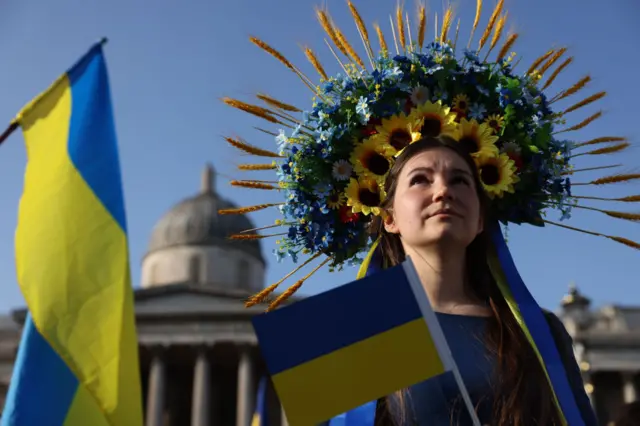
607 348
199 360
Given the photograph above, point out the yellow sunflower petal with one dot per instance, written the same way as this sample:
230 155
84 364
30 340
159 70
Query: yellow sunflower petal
461 102
398 132
372 158
477 138
435 120
497 174
365 196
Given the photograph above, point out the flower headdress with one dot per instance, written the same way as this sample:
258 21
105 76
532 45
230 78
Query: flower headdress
332 160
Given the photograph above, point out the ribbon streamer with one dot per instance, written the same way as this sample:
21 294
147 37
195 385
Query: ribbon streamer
535 326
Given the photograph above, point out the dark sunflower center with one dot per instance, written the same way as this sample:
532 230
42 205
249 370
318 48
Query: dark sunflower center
399 139
490 174
462 105
334 198
469 143
377 164
493 124
431 127
368 197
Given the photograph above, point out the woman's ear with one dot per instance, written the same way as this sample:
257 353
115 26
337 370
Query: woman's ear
390 224
480 225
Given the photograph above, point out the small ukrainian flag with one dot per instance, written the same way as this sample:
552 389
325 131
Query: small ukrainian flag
351 345
260 416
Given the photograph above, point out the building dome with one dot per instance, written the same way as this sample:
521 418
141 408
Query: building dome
195 221
194 234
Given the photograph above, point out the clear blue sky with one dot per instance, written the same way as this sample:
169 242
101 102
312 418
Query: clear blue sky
170 63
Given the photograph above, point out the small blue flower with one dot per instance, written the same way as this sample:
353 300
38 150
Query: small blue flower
483 90
471 55
362 109
477 111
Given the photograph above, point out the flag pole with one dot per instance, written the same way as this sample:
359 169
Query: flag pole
14 124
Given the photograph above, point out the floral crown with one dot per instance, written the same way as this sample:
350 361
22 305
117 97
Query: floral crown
332 161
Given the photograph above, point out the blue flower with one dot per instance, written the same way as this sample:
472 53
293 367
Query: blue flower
434 69
471 55
328 87
362 109
477 111
483 90
279 255
322 190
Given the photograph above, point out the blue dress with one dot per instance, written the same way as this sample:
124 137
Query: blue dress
437 402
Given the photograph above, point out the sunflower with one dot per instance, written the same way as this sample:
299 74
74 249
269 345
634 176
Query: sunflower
497 174
496 122
398 132
335 200
436 119
461 103
366 196
477 138
372 158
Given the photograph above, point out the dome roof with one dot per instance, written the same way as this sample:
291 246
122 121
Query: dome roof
195 221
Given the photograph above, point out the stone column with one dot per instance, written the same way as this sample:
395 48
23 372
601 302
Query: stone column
629 388
156 392
246 388
201 397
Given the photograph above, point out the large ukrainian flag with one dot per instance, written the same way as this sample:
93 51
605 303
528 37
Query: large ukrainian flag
78 360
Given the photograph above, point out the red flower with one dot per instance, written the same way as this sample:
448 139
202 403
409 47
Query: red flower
517 159
347 215
407 106
370 128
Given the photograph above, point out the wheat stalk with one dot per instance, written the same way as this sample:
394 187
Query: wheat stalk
383 43
620 240
422 25
608 180
262 295
572 90
606 150
538 61
252 184
582 124
556 56
603 139
250 149
256 167
492 21
249 209
507 46
476 21
556 72
291 290
400 25
591 99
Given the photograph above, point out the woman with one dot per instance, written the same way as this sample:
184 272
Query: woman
374 150
435 214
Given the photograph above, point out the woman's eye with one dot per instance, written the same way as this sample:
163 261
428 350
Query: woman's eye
461 179
418 179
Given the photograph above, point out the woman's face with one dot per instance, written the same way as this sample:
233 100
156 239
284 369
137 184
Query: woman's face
435 203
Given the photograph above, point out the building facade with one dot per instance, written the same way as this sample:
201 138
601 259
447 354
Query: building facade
199 360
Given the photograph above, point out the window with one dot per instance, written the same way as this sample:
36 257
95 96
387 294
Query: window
194 269
244 274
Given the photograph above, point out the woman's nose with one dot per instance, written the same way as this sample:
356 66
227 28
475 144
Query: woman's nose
442 193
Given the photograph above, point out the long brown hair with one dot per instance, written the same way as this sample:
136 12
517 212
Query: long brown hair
521 393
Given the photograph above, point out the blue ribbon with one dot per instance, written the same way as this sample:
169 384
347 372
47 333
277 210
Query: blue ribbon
539 329
362 416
